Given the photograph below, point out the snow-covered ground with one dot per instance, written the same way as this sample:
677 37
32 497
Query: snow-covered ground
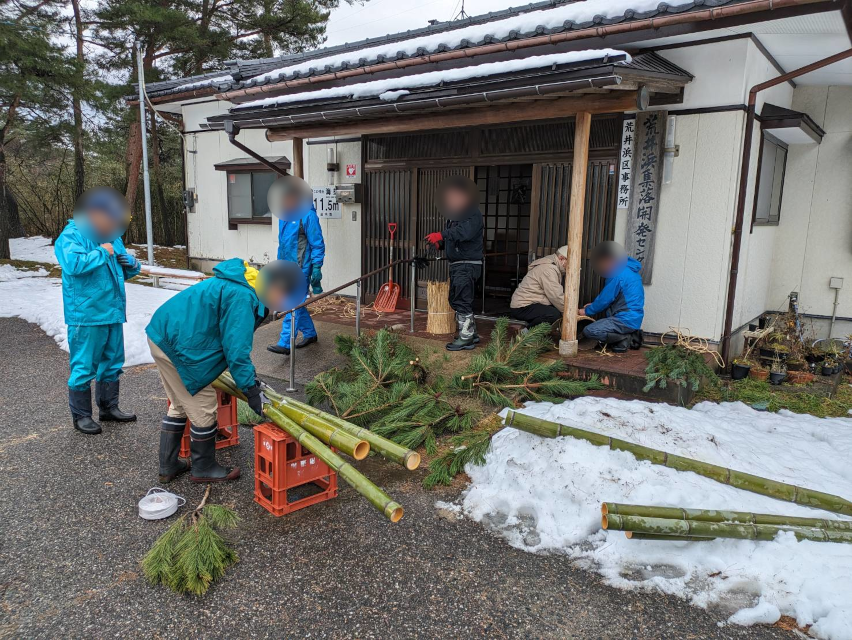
36 298
544 495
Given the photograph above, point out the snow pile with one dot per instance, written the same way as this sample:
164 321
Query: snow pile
545 495
200 84
577 12
8 273
36 249
39 300
393 86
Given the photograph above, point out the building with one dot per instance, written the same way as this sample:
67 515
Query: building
727 178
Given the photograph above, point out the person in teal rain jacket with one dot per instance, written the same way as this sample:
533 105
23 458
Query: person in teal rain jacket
300 240
95 265
198 334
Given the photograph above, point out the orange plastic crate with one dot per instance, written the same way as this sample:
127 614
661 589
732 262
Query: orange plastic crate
281 464
229 435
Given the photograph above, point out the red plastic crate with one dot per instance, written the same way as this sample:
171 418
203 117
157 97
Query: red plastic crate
282 464
226 416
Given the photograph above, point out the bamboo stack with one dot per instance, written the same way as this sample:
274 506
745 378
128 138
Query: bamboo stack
317 431
739 479
441 318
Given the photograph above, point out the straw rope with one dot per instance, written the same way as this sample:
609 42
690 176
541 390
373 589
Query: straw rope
682 338
342 307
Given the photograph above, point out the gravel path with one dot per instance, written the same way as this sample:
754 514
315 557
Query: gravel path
70 544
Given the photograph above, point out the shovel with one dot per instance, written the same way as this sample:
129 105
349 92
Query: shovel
389 293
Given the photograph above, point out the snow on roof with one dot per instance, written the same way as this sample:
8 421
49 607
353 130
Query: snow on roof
566 15
392 88
200 84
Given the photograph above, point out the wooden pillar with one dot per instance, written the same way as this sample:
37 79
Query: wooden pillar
568 343
298 167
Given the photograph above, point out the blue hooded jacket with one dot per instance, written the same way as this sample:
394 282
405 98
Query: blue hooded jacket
210 326
92 280
300 240
623 294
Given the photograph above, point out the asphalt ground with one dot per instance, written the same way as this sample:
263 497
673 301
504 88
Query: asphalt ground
71 542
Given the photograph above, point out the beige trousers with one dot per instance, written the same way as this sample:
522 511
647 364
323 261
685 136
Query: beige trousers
199 408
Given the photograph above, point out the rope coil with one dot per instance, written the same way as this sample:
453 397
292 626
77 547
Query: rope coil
685 340
158 504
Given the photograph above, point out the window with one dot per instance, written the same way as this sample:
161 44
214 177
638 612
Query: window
247 196
770 180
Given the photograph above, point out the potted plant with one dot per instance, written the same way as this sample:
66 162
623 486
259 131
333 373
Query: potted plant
829 366
777 372
799 377
758 373
740 368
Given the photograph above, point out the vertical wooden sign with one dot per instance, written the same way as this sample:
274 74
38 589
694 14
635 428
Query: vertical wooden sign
645 189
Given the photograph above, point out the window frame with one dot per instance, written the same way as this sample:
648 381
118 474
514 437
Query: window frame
770 221
233 223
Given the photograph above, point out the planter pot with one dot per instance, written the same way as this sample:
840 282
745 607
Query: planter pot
777 378
752 327
772 353
761 322
800 377
827 371
739 371
796 366
759 374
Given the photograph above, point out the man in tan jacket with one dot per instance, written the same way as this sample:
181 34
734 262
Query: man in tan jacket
540 298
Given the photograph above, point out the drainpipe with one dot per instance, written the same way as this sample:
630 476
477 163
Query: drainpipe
743 187
233 130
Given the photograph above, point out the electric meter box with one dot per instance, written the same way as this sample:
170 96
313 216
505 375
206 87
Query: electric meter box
348 193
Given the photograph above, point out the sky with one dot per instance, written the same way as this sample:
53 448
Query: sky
357 21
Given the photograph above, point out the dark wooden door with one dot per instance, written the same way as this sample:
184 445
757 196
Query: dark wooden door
387 198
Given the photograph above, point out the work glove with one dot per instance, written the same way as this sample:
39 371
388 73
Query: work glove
127 261
435 238
256 398
420 262
316 279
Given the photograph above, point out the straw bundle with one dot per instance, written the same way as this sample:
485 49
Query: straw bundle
441 318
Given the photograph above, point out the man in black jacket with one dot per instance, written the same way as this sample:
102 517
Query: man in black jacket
458 199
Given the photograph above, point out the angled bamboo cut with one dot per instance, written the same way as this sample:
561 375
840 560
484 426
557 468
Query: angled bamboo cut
378 498
693 528
738 479
710 515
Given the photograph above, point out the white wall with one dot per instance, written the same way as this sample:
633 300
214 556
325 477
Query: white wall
814 239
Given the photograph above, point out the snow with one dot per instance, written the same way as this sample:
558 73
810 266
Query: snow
38 299
434 78
577 12
36 248
9 273
544 495
200 84
168 271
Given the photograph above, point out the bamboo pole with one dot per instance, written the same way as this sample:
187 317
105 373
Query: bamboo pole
441 318
666 527
738 479
708 515
329 434
378 498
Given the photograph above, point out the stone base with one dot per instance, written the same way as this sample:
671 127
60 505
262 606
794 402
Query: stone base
568 348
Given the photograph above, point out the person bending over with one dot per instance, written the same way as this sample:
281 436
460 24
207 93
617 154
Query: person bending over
540 298
199 333
458 200
620 307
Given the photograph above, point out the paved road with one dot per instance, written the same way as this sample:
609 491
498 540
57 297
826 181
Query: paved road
70 545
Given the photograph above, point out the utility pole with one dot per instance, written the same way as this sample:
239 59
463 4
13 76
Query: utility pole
146 180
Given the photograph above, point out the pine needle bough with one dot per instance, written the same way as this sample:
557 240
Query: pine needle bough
510 371
674 363
466 448
192 554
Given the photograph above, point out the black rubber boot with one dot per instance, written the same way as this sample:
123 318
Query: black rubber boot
80 403
306 341
202 448
277 348
467 331
618 342
108 411
171 432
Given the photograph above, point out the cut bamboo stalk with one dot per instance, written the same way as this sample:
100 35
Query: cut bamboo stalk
709 515
667 527
378 498
738 479
633 535
441 318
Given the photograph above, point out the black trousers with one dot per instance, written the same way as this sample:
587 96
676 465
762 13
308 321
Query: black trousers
536 314
463 277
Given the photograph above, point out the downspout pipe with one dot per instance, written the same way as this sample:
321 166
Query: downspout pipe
743 186
232 129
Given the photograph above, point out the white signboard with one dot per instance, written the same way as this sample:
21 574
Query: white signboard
628 137
326 203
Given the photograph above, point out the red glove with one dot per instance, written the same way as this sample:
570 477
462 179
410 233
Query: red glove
435 238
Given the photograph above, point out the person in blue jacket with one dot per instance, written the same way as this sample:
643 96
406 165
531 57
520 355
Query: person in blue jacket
299 240
95 265
199 333
620 306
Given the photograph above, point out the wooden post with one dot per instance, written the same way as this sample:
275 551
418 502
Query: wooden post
298 158
582 126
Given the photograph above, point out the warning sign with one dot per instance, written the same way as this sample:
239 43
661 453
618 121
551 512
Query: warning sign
351 170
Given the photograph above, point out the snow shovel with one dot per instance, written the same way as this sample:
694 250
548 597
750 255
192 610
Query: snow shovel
389 293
